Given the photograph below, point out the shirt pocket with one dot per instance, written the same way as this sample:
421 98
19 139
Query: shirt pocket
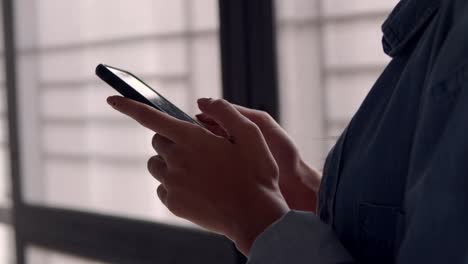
380 228
447 90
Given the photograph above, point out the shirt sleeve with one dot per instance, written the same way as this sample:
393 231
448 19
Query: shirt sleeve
297 238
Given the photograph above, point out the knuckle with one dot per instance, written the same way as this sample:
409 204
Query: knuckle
158 192
149 164
156 167
190 129
264 116
196 131
162 193
158 141
220 103
154 140
192 134
252 129
152 163
161 190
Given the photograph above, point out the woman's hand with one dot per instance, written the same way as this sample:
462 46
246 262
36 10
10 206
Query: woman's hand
226 184
298 182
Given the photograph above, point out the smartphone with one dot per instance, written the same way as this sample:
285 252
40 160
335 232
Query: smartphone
134 88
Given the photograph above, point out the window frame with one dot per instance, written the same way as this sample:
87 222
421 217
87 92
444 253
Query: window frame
248 62
248 54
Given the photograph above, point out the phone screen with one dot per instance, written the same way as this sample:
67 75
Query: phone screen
151 95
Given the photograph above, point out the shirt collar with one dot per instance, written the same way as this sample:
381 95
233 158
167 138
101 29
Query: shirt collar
405 21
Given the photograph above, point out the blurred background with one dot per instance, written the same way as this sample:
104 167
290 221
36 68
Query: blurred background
72 153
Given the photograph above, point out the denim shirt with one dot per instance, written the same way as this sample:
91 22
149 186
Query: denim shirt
395 185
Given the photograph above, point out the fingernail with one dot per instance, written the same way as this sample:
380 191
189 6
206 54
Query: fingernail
204 101
111 101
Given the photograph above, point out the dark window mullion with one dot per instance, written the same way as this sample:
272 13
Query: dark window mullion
13 126
248 54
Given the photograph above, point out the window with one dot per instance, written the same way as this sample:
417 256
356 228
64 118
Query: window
80 153
83 172
330 55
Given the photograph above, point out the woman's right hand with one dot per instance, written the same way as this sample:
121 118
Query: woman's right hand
298 182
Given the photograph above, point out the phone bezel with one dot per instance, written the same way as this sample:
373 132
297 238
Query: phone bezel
103 72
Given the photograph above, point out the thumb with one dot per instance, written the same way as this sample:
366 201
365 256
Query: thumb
225 114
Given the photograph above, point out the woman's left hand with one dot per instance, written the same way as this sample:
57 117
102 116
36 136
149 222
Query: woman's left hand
299 183
227 185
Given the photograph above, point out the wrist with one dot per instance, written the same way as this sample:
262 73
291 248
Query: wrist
300 186
262 212
309 176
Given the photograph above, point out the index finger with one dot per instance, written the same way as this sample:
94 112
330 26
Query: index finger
151 118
